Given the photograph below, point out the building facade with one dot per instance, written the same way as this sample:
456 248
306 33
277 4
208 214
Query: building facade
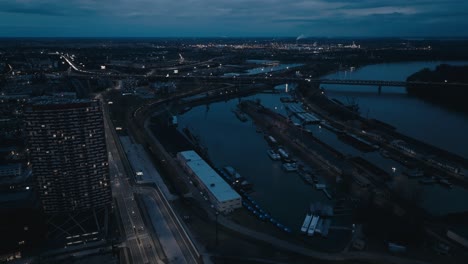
68 154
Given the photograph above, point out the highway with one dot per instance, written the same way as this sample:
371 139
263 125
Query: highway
174 240
173 243
138 240
261 77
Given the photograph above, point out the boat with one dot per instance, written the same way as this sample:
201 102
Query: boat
306 224
325 227
315 178
318 228
428 181
414 173
236 179
241 116
313 225
273 155
225 175
233 173
445 182
272 140
307 177
385 153
245 184
290 167
283 153
320 186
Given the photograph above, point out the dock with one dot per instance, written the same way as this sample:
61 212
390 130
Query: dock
308 118
302 114
306 224
313 225
323 188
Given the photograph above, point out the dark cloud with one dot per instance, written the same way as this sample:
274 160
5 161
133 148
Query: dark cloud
232 17
35 11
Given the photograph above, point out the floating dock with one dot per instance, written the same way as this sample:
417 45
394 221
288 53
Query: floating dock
308 118
306 224
313 225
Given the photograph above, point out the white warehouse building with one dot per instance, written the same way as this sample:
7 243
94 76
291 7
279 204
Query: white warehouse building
224 198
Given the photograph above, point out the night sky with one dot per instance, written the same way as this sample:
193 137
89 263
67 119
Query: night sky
233 18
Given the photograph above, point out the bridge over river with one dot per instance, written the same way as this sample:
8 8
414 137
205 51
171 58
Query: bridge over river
258 78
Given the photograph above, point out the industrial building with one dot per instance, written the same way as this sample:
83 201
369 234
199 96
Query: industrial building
224 198
67 150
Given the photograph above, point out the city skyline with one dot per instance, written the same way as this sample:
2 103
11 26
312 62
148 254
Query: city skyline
207 18
230 150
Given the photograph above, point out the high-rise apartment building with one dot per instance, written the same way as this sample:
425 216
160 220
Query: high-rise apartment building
68 154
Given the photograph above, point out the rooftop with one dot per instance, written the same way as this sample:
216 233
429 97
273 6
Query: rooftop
56 100
211 179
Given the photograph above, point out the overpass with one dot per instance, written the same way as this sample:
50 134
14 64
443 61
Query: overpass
259 78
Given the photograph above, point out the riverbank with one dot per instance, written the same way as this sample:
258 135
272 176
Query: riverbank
451 97
410 115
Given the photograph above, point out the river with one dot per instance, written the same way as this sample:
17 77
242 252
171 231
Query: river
430 123
285 195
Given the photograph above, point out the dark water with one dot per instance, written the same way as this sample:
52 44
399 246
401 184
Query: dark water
232 142
285 195
422 120
265 69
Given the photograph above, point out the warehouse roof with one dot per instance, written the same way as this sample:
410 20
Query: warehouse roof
209 177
